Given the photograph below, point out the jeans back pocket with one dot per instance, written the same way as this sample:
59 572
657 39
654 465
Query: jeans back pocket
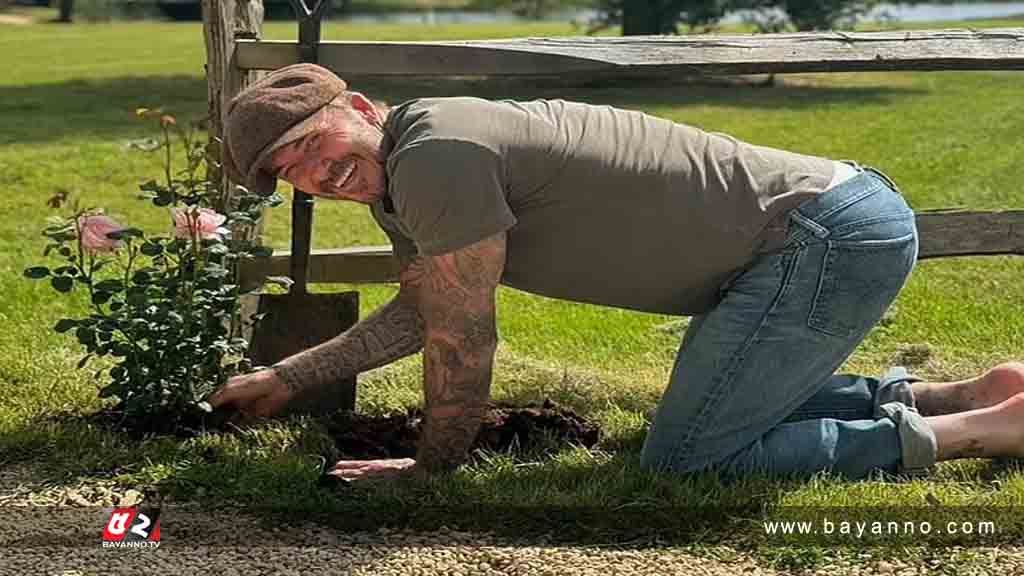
859 280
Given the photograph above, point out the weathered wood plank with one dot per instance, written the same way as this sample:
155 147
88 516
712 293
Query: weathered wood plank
992 49
357 265
945 233
942 234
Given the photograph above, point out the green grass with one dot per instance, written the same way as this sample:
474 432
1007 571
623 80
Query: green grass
67 97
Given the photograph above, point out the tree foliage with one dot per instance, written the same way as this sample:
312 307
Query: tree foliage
667 16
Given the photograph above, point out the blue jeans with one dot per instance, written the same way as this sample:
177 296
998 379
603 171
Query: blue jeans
753 388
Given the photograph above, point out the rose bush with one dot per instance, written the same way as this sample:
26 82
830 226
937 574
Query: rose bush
163 306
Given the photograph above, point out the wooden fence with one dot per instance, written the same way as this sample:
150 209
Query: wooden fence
943 233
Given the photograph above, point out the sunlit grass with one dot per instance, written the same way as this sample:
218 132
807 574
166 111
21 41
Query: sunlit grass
67 97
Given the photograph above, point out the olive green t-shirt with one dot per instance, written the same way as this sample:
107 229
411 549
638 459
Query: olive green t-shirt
600 205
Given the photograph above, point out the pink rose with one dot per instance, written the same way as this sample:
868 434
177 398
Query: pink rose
204 221
93 230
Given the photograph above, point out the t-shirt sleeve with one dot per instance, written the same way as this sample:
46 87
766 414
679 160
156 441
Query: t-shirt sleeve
449 194
402 247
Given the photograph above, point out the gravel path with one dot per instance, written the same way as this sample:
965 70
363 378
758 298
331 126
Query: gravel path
56 530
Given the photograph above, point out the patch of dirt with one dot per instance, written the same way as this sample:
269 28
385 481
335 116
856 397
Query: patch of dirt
359 436
137 427
504 428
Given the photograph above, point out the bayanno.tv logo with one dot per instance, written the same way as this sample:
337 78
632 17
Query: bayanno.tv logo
132 528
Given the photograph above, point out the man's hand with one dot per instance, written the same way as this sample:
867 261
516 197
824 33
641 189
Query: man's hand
260 394
352 470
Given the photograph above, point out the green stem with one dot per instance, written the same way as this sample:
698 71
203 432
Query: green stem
167 158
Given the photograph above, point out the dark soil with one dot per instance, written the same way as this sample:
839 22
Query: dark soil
359 436
505 428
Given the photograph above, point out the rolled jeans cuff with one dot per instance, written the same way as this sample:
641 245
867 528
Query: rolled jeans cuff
895 386
917 440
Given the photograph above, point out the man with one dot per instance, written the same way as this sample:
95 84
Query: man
785 261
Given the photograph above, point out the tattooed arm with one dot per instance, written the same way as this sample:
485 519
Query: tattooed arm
454 294
393 331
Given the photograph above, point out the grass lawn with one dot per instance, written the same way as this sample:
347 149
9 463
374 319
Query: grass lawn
67 98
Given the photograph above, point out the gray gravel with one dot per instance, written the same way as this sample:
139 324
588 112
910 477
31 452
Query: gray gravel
56 530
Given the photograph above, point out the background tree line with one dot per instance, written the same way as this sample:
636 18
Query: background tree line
674 16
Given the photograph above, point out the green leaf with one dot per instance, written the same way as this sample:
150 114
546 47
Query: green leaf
215 271
125 233
64 324
65 251
37 272
85 360
116 305
164 198
218 249
85 335
65 271
62 283
141 277
111 285
152 249
122 349
262 251
100 297
62 236
118 372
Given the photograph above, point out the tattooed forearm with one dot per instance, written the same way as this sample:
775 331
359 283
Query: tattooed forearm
457 387
456 300
392 332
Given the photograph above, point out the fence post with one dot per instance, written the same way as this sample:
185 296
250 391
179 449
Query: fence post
224 22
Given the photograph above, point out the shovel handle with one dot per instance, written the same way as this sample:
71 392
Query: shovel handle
302 234
302 204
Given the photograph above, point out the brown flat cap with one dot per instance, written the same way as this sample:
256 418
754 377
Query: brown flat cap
281 107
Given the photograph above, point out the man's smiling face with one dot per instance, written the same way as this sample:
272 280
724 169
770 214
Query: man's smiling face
340 160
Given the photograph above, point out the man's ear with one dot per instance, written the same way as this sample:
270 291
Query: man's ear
365 108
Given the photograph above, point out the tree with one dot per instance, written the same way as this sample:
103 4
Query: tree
533 9
659 16
825 14
66 9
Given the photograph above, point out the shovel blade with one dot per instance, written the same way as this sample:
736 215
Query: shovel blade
297 322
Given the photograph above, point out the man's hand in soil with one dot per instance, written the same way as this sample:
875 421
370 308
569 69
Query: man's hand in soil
257 395
353 470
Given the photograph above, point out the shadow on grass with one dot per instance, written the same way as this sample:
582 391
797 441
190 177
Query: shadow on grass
104 108
271 474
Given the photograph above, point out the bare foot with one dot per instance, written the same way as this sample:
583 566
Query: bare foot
1007 422
996 431
994 386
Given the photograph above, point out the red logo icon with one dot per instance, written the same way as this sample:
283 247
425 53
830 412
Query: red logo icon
132 528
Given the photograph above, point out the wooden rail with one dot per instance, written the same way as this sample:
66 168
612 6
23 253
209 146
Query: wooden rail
942 234
991 49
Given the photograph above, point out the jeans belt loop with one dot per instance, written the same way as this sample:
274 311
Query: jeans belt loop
885 178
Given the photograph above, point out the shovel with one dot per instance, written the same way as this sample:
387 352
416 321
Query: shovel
298 320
